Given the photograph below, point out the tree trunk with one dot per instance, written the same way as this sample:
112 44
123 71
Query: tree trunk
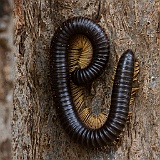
37 133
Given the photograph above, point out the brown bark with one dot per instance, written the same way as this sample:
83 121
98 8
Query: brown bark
6 78
37 133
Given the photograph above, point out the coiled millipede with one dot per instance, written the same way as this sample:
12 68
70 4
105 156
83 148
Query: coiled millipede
74 67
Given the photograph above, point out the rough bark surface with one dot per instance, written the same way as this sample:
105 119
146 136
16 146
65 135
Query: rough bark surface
37 133
6 78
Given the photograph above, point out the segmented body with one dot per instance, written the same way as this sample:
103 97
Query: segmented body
80 53
67 112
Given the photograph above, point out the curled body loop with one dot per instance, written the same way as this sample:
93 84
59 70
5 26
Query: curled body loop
122 86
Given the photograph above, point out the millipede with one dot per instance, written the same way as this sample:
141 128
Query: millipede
79 54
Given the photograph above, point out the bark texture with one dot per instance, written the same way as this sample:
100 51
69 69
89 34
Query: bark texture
6 78
37 133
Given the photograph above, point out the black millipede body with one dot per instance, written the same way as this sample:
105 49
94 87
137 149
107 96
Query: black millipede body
98 39
122 86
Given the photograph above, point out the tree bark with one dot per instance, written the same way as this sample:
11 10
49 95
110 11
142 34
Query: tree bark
37 133
6 77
